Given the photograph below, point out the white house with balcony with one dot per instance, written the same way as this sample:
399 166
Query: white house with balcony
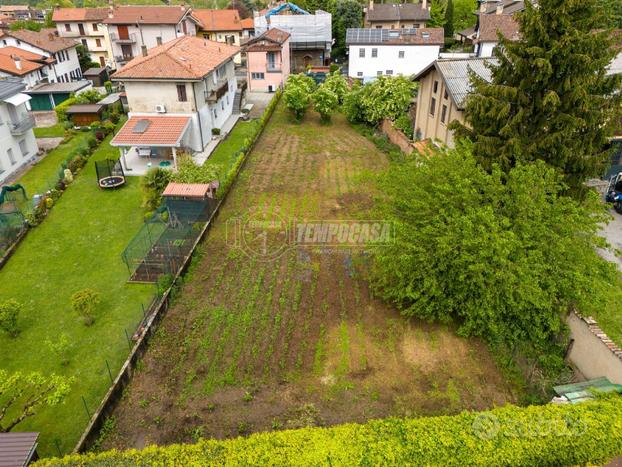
17 140
177 94
378 52
85 25
132 29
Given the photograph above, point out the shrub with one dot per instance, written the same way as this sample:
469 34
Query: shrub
84 302
403 123
68 125
76 163
324 102
352 105
61 348
189 172
297 94
333 67
553 434
108 127
115 117
337 84
215 131
9 312
153 184
108 86
91 142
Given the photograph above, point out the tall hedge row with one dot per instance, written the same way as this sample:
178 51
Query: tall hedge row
538 435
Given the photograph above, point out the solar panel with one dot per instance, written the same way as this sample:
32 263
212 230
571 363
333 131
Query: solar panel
372 36
141 126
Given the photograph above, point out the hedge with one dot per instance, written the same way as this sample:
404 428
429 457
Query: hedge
590 432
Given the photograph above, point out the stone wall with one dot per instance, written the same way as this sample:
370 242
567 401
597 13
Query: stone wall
396 136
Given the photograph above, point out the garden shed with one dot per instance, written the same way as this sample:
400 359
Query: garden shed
98 76
48 96
85 114
18 449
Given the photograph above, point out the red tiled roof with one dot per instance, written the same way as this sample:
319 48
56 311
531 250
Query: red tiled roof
7 62
147 14
188 190
161 131
272 39
186 57
14 7
46 39
490 24
79 14
218 20
25 54
248 23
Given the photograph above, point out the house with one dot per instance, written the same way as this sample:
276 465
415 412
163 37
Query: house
46 96
85 26
267 60
405 52
133 29
311 34
177 94
220 26
443 88
16 12
397 15
64 68
29 67
487 33
17 140
492 8
248 29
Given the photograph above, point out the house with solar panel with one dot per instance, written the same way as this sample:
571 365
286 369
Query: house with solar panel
391 52
179 94
443 89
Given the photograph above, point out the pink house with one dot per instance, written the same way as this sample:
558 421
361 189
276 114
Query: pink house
267 60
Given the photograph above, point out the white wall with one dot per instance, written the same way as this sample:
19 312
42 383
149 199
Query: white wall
416 58
8 141
484 49
29 80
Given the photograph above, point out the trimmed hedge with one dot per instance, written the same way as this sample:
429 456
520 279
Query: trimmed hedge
590 432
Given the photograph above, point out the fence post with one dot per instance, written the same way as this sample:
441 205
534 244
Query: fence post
86 408
109 372
129 342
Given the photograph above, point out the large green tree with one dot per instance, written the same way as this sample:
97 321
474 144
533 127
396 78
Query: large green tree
550 97
438 12
348 14
505 255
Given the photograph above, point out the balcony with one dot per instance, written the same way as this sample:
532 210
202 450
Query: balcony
123 59
26 122
130 39
215 94
273 68
72 33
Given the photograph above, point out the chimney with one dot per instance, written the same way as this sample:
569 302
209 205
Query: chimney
499 9
371 5
424 4
143 50
18 62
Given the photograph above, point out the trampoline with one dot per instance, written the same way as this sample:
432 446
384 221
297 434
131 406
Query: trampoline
109 173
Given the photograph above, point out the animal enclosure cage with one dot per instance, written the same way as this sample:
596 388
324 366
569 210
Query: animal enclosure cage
12 225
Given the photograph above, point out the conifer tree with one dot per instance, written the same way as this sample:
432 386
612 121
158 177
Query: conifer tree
550 97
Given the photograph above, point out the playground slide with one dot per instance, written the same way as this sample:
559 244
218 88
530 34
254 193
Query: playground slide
10 188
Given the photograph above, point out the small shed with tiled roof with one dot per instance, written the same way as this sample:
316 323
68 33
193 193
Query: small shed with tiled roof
18 449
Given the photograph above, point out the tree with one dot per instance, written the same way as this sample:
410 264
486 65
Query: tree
325 101
22 395
352 105
613 13
337 84
550 97
438 11
61 348
29 25
153 184
463 16
297 94
84 58
503 255
9 312
449 19
386 97
84 303
348 14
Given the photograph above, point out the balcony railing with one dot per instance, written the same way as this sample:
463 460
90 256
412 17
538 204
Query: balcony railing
121 59
215 94
72 33
273 68
23 125
131 38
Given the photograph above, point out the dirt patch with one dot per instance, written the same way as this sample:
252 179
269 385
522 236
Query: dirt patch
298 340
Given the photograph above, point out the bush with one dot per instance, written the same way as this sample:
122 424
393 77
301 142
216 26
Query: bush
68 125
352 106
61 348
92 142
108 86
76 163
84 303
9 312
325 102
337 84
553 434
115 117
403 123
153 184
333 67
297 94
215 131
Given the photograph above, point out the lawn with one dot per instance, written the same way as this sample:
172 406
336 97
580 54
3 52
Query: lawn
53 131
224 154
78 245
296 339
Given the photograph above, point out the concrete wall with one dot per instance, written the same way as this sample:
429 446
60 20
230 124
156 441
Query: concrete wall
431 126
416 58
592 352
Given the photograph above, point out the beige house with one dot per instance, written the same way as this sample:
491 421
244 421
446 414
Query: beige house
397 15
85 25
443 88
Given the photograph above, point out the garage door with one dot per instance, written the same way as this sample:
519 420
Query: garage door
40 102
58 98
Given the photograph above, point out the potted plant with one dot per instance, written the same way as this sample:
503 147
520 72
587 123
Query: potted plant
215 133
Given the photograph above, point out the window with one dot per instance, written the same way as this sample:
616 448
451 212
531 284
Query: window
400 54
379 27
181 93
374 53
432 106
98 42
215 114
361 52
23 148
84 43
95 27
445 95
359 73
389 72
9 152
222 105
67 78
435 87
227 100
257 75
379 73
443 113
67 27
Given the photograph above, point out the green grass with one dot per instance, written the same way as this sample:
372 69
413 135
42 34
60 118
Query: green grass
224 152
44 175
50 131
78 245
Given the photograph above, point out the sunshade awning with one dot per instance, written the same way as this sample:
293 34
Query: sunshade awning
17 99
